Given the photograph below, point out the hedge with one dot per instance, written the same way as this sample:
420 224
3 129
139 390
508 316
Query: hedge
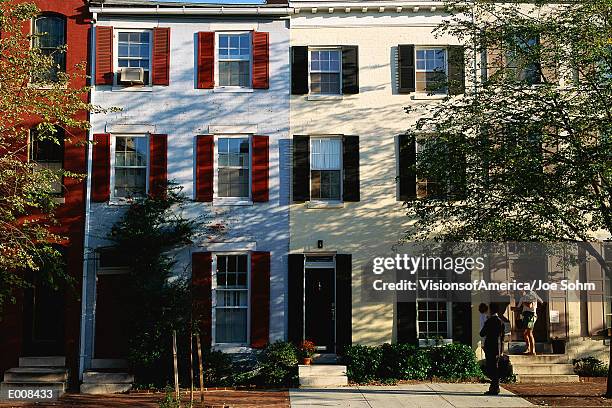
392 362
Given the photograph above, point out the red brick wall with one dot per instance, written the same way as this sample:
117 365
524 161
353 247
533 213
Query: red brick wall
71 214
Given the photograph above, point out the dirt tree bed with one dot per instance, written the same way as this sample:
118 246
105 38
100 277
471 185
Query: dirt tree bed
582 394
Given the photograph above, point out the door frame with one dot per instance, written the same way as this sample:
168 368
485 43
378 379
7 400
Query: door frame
320 265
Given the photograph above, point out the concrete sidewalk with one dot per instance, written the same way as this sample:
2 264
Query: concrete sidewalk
426 395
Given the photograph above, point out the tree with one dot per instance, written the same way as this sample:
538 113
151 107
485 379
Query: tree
27 199
527 151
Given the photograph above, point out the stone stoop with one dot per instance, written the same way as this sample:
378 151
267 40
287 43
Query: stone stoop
322 375
103 382
37 373
543 368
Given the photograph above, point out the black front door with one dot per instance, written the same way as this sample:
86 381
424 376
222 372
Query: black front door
319 308
43 325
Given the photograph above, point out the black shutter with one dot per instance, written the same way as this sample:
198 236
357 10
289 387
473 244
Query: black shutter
406 322
406 68
456 69
406 167
301 168
299 70
344 305
350 69
350 164
295 318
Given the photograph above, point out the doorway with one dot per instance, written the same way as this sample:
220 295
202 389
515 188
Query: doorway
43 326
320 302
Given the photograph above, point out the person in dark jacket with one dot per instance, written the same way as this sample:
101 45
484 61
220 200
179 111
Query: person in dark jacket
493 332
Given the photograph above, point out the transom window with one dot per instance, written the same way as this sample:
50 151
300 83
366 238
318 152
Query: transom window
325 169
232 299
134 51
325 68
130 166
431 70
48 154
233 167
235 60
50 38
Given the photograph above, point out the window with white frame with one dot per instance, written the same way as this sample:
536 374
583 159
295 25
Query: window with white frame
130 166
134 51
234 56
431 70
433 309
50 39
326 169
233 167
232 298
325 71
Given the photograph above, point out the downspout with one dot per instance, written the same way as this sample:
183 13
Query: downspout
85 279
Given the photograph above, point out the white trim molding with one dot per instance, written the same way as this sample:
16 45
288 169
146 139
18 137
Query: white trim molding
231 246
130 128
232 129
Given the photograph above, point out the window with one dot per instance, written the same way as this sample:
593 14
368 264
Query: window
325 69
433 319
235 60
48 154
134 51
326 169
50 38
232 299
426 186
233 167
130 166
431 70
520 60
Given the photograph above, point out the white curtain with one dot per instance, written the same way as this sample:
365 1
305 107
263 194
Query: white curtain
325 154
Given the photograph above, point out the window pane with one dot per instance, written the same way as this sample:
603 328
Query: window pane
325 83
231 325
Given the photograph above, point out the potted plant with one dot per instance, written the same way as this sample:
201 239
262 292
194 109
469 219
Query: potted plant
558 345
306 351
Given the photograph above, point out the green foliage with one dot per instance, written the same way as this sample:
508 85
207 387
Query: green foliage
218 368
454 362
169 400
277 365
392 362
27 194
362 362
590 367
155 305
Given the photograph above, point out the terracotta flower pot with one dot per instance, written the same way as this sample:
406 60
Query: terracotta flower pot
306 360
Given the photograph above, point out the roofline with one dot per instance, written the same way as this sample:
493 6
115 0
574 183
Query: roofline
191 9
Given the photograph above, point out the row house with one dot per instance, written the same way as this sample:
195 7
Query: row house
45 322
204 92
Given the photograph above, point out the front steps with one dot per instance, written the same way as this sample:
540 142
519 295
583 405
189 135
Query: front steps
107 376
37 373
322 375
543 368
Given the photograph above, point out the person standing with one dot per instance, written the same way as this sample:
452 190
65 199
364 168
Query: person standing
529 306
493 332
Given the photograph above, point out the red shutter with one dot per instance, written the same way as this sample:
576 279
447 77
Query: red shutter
206 60
104 56
201 286
100 189
260 171
158 165
260 299
204 167
261 59
161 56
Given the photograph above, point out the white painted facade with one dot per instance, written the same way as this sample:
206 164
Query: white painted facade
181 111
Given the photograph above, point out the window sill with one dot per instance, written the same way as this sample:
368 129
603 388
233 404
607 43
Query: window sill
59 200
426 97
232 90
45 87
145 88
324 204
230 202
123 201
325 97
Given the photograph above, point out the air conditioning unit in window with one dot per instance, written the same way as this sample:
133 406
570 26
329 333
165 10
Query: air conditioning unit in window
131 75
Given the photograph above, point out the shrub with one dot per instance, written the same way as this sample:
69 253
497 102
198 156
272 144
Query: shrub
590 367
454 362
169 400
403 362
217 368
277 365
362 362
